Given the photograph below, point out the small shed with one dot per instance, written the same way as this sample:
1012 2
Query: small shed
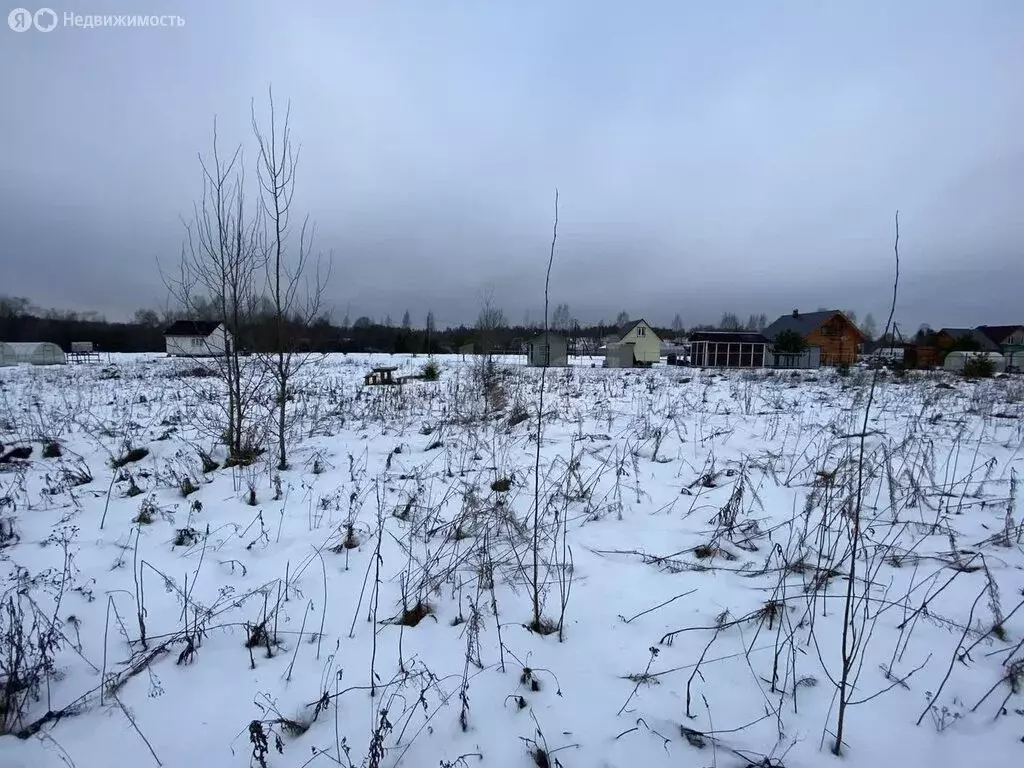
957 359
922 357
618 355
729 349
31 353
548 350
83 352
381 375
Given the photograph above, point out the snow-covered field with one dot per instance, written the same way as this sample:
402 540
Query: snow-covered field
370 606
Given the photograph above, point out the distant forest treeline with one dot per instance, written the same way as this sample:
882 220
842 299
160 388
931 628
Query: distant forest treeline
20 320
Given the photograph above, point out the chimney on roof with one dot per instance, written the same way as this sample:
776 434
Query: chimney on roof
796 313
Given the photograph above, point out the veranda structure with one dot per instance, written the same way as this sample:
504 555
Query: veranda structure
729 349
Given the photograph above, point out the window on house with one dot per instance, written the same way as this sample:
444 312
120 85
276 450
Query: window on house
197 342
640 330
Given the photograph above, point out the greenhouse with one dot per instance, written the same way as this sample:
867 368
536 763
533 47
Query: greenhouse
957 360
31 352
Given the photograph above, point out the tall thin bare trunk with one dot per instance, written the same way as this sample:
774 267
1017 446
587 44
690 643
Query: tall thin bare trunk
535 585
296 299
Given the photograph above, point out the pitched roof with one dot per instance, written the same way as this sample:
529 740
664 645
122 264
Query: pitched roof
191 328
803 323
729 337
984 342
630 326
999 333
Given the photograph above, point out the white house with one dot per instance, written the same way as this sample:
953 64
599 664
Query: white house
197 338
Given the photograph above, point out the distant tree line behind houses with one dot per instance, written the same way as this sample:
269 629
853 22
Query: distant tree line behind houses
21 320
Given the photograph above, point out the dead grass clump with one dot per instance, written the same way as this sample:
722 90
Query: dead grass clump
822 577
187 487
147 513
528 679
209 465
20 453
540 757
519 415
133 489
351 541
7 533
80 475
52 450
542 627
502 485
710 551
799 568
256 636
185 537
195 372
771 612
411 617
130 457
243 457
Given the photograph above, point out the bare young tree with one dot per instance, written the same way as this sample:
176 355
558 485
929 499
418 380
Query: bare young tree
295 294
223 253
677 324
431 328
490 319
535 582
757 322
869 327
729 322
622 319
561 320
406 321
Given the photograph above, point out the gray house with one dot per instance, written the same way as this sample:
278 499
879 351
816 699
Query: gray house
548 350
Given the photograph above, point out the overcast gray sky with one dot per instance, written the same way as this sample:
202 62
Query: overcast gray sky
710 156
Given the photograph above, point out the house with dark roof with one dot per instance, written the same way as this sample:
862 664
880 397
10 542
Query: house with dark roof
1004 334
637 344
1010 340
197 338
964 340
730 349
838 338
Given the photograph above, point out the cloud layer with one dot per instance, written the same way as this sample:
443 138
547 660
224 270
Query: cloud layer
710 157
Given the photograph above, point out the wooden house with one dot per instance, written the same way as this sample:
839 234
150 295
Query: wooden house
838 338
